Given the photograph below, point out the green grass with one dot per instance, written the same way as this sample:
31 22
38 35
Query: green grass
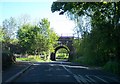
32 58
61 55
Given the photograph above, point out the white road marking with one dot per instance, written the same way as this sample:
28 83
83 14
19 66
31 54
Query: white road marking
83 79
75 76
88 78
112 79
93 81
66 69
18 74
102 79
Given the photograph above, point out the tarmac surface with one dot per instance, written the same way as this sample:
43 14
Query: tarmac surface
57 72
14 70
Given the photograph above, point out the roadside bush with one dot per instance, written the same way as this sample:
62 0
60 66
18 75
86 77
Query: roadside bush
112 66
7 59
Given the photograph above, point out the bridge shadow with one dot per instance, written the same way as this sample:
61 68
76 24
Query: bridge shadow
61 60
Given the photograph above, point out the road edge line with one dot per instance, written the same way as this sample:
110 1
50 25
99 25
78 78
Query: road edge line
18 74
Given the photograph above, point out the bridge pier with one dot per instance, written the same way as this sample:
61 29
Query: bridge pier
52 56
71 54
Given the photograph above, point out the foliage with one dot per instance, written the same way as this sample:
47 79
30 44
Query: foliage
62 50
61 56
26 36
29 39
48 34
1 34
37 38
7 34
100 39
7 59
9 25
62 53
76 44
112 66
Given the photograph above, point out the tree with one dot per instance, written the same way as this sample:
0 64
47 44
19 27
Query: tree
26 35
37 38
9 26
1 34
106 11
49 35
23 20
101 44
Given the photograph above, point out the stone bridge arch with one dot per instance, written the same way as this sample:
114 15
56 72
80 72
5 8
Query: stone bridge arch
66 43
62 46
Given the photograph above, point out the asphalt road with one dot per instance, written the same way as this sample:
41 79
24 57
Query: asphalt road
65 72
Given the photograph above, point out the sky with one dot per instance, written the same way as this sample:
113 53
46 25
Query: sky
37 10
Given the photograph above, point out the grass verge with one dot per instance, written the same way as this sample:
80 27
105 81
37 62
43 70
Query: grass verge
32 58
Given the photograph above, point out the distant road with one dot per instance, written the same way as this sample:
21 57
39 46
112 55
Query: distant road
65 72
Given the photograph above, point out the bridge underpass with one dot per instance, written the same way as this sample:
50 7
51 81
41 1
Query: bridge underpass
65 42
62 54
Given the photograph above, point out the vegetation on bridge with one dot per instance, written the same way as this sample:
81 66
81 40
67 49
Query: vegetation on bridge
98 29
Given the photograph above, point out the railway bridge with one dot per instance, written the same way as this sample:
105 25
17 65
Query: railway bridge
65 42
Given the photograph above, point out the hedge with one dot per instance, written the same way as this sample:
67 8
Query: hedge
7 60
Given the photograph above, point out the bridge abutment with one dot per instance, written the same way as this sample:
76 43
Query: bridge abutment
52 56
64 42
